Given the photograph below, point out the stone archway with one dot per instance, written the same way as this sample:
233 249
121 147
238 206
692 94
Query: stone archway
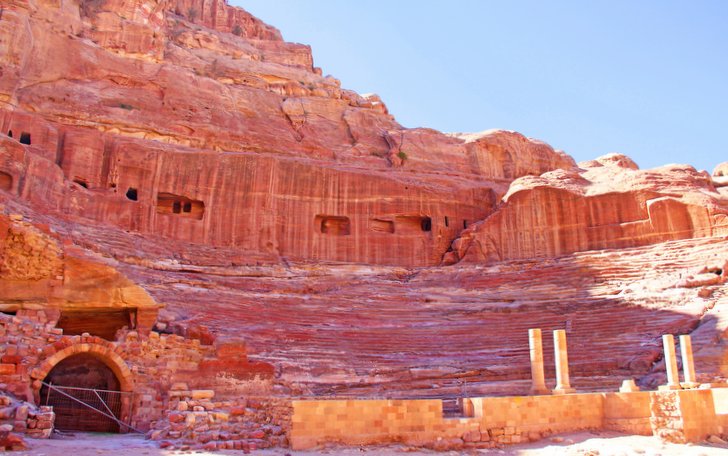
98 367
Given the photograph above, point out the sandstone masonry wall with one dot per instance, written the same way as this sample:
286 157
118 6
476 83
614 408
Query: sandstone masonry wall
494 421
148 366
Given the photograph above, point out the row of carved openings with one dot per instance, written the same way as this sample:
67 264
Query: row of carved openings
335 225
24 137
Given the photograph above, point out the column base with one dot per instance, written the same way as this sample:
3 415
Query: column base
539 391
563 391
690 385
708 386
669 387
629 386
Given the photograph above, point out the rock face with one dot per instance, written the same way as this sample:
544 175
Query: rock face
36 273
607 203
180 154
720 177
380 331
195 121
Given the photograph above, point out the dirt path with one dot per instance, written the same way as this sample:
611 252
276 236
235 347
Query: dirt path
581 444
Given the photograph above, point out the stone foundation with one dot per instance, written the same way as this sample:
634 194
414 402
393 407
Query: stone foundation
502 420
683 416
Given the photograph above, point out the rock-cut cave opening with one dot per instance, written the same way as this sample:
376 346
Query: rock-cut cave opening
168 203
103 323
131 194
81 182
413 224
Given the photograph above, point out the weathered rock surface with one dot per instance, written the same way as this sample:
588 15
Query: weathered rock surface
606 203
183 146
154 117
373 331
720 177
38 273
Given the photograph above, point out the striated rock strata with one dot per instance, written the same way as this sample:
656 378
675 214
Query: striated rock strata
181 189
195 121
604 204
37 273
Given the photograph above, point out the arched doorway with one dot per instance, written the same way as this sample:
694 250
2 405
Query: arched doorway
93 370
83 379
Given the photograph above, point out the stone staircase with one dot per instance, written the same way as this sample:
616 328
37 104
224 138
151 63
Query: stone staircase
385 332
346 330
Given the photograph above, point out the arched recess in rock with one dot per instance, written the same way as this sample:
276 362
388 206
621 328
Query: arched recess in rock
106 355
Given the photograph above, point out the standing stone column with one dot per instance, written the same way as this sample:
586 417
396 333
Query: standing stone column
562 364
673 378
686 351
535 343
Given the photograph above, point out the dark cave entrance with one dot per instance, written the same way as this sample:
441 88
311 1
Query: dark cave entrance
83 378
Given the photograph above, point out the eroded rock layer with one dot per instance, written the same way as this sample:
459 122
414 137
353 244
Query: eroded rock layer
38 273
195 121
183 146
373 331
605 203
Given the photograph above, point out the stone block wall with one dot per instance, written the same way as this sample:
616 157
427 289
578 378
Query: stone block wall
533 416
683 416
195 420
146 365
680 416
628 412
496 420
372 422
720 403
19 417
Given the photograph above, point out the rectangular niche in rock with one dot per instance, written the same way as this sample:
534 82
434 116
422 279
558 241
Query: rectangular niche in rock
168 203
381 225
6 181
103 323
333 225
412 224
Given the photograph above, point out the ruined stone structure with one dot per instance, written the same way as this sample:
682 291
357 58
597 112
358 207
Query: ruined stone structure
199 224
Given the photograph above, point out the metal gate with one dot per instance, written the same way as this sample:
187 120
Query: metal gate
85 409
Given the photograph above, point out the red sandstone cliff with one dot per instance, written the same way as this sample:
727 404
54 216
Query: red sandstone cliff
606 203
195 121
186 141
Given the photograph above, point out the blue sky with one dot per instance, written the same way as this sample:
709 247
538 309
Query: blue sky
645 78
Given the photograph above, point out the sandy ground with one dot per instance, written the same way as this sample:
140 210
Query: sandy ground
581 444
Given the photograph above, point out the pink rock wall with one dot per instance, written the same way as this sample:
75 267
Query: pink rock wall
607 205
212 109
